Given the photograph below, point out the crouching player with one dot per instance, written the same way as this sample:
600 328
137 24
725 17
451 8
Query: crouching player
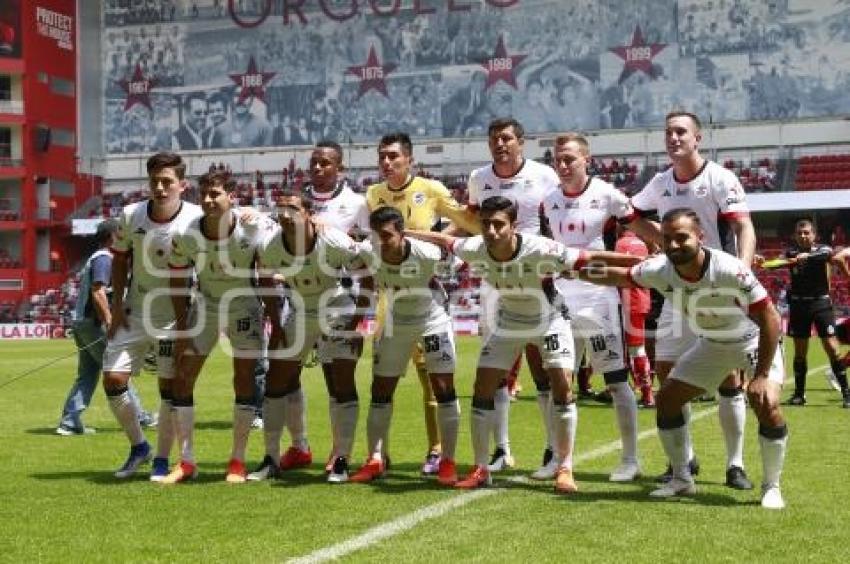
404 269
517 265
220 249
735 326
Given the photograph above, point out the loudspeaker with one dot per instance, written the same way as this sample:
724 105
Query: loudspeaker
41 138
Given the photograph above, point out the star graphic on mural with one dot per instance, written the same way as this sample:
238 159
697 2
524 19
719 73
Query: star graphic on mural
372 74
502 66
252 82
637 56
138 89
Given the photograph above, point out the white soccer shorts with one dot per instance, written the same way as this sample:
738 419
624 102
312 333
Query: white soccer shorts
596 324
673 336
125 352
242 321
502 346
391 353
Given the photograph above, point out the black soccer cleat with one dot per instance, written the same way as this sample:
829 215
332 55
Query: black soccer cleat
737 479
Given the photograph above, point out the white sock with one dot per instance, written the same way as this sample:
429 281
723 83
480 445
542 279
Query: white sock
184 415
296 418
564 422
502 418
733 418
544 403
625 407
346 421
686 413
333 418
481 422
378 427
675 443
448 417
243 416
274 415
127 414
772 459
165 429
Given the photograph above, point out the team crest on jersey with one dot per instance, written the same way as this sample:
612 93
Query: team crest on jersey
507 185
418 198
700 191
594 204
555 207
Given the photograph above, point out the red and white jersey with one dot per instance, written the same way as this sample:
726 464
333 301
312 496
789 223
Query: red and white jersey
221 264
715 305
519 281
714 193
342 208
526 189
149 245
313 274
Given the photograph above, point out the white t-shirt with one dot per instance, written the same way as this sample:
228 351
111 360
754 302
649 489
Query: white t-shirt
526 189
717 304
714 193
342 208
519 281
149 244
221 264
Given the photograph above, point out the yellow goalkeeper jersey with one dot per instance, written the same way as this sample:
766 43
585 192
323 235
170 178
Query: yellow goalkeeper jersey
422 202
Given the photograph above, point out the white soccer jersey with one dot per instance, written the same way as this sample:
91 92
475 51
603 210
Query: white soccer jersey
221 264
714 193
314 273
414 295
519 280
148 243
526 189
717 304
341 208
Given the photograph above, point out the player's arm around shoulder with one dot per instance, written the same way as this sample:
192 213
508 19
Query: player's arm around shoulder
441 239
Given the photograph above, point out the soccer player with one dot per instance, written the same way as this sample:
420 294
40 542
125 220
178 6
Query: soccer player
809 302
220 249
514 264
717 197
735 326
582 214
422 202
144 315
404 270
525 182
309 259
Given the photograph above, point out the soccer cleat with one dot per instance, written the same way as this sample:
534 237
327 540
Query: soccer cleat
647 399
159 469
148 420
832 381
267 470
771 498
236 472
625 472
139 454
294 457
64 431
479 476
845 402
693 465
500 460
797 399
372 470
257 423
737 479
432 463
564 481
183 472
339 471
586 393
676 487
548 468
447 473
603 396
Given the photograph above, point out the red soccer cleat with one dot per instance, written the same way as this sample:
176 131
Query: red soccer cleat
236 472
447 473
372 470
479 476
294 457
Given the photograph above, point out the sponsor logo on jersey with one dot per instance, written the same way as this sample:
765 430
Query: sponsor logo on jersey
488 187
418 198
507 185
666 194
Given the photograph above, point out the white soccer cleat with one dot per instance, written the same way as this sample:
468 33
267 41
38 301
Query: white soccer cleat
832 380
676 487
625 472
547 471
772 498
501 460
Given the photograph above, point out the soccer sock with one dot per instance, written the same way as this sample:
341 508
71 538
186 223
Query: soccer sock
483 412
625 407
346 420
448 415
165 429
501 421
564 422
686 413
675 439
544 403
127 415
243 416
640 367
184 415
801 367
274 416
333 405
732 411
840 374
773 442
296 418
378 426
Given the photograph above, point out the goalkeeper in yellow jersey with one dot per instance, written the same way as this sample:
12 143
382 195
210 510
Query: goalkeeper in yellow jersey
422 202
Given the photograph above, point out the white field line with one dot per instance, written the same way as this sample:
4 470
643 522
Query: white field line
406 522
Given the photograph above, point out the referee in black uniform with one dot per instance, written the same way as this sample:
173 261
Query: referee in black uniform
809 303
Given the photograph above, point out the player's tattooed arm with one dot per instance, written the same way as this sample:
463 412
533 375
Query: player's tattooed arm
607 275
